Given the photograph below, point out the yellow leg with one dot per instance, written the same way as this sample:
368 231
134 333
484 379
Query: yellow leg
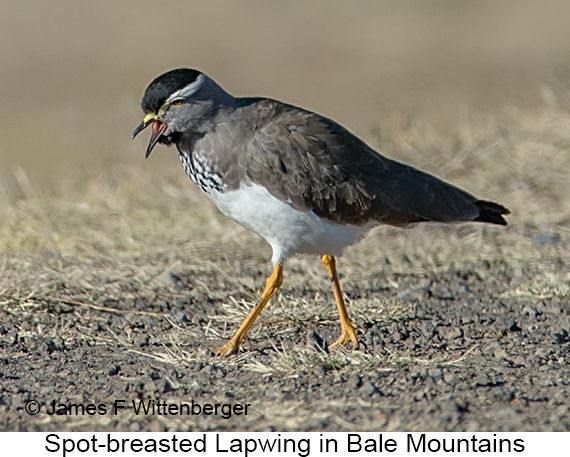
271 286
346 325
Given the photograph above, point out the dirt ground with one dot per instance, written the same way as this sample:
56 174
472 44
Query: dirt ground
450 351
117 277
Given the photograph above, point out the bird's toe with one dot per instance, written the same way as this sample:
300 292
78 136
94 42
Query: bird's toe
227 349
348 335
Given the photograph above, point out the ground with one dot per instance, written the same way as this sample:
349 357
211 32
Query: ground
120 289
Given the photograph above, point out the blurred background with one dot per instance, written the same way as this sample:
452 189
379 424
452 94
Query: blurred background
73 72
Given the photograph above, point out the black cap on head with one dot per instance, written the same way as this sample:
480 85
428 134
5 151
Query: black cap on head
165 85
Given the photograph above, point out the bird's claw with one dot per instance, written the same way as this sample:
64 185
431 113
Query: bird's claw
348 335
229 348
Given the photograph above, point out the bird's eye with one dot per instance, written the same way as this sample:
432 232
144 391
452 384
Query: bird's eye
176 103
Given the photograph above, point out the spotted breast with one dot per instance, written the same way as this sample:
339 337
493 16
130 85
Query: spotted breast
201 172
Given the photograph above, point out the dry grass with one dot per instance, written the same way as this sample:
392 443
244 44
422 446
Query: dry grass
112 238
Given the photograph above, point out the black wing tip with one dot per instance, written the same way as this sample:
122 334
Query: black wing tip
491 213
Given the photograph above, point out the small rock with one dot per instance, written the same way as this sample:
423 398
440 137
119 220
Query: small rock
436 374
354 381
180 317
135 320
546 238
519 360
11 338
58 343
454 334
368 389
319 370
452 404
95 327
418 372
530 310
562 337
26 326
411 296
420 395
461 405
135 427
171 279
157 426
47 391
167 386
142 340
482 380
542 352
40 344
504 394
513 326
168 279
530 361
315 341
114 370
450 378
500 353
154 375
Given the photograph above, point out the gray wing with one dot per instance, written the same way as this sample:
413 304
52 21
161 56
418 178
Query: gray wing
318 165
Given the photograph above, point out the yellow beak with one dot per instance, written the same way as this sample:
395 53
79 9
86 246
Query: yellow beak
158 128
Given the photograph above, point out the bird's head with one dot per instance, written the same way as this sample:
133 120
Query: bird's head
176 103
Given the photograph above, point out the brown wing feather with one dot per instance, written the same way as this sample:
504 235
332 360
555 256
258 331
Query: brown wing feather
318 165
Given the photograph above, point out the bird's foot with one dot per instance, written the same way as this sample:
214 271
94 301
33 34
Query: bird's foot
348 335
231 347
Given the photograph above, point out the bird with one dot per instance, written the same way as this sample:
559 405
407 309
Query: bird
299 180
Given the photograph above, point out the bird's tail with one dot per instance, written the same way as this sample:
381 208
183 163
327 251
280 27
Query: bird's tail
491 212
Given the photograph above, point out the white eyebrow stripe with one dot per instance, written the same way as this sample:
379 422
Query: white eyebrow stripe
187 91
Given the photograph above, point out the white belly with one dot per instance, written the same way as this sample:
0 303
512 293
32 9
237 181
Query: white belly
286 229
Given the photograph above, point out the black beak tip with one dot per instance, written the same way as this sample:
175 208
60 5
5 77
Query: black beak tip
139 129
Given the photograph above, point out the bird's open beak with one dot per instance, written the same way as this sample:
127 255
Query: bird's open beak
158 128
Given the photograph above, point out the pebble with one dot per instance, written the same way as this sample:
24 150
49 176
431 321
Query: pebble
500 353
368 389
319 371
11 338
436 374
142 340
167 386
454 334
546 238
542 352
450 378
315 341
530 310
354 381
114 370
